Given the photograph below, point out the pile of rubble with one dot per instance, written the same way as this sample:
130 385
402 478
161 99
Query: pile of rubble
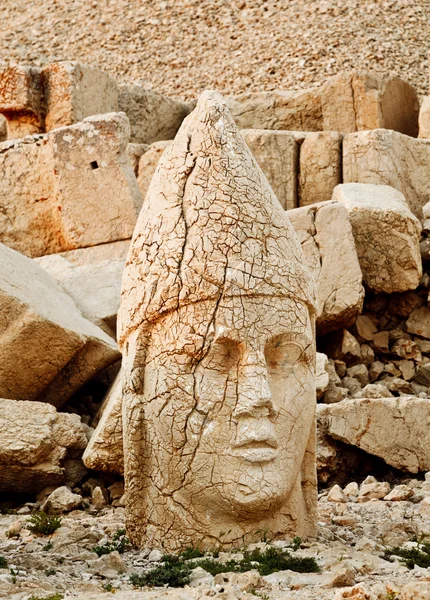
344 161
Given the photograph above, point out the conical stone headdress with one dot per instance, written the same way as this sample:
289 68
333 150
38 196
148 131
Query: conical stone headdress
210 226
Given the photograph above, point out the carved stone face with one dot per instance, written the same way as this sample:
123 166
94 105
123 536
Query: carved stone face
229 397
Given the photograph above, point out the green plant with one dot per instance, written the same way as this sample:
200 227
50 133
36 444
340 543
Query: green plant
296 543
44 523
50 572
56 596
120 543
14 574
419 555
108 587
3 562
191 553
174 574
47 546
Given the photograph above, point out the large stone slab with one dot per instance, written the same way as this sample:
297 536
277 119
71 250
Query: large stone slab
358 101
94 287
152 116
289 110
277 155
21 100
48 350
395 429
327 241
35 442
148 163
387 236
71 188
320 166
386 157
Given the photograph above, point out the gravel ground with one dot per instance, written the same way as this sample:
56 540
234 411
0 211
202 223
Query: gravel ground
181 47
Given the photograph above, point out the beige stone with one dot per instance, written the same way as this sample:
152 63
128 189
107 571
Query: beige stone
419 322
289 110
35 441
359 100
336 494
48 350
387 236
152 116
73 91
395 429
148 163
71 188
21 100
62 500
112 251
134 153
419 590
3 129
320 166
326 237
216 329
424 119
385 157
95 288
105 448
277 155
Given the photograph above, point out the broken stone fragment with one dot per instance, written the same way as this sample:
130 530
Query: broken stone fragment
385 157
62 500
328 244
95 288
48 350
358 101
73 91
134 153
387 236
152 116
71 188
424 119
35 441
320 166
277 155
395 429
21 100
148 163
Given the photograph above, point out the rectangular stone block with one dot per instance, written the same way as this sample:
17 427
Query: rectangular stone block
48 350
21 100
386 157
153 117
68 189
73 92
328 244
320 166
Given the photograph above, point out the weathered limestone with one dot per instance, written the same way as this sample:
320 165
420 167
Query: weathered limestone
216 329
148 163
326 237
95 288
134 153
73 92
105 449
424 119
386 157
152 116
395 429
35 442
48 350
358 101
21 100
71 188
277 155
113 251
387 236
320 166
291 110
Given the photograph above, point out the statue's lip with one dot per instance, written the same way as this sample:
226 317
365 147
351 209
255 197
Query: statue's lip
255 450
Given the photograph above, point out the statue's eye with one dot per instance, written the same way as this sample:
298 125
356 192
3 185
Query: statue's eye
223 356
282 354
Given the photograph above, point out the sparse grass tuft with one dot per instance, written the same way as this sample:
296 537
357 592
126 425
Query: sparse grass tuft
43 523
56 596
3 562
120 543
174 574
191 553
420 555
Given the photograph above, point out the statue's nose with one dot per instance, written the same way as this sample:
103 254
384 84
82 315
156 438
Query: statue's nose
254 395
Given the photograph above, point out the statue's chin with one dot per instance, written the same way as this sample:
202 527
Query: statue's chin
248 502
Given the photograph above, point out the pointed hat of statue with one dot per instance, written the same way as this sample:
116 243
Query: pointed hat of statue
210 226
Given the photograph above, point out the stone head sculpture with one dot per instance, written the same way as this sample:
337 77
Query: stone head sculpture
216 329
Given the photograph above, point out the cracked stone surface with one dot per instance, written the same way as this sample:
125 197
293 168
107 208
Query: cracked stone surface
326 237
385 157
395 429
387 236
320 166
48 350
216 328
70 188
35 441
